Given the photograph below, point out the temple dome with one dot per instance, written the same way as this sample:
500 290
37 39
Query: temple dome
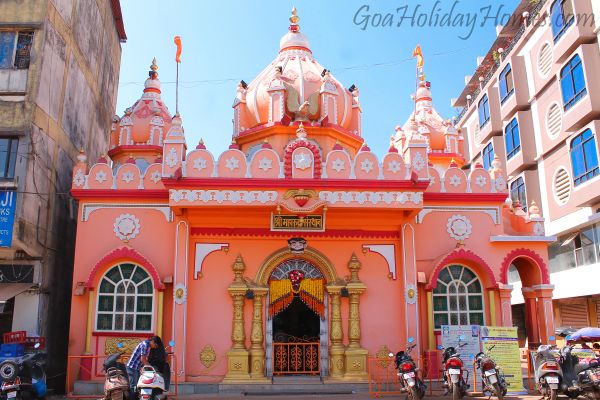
146 122
302 81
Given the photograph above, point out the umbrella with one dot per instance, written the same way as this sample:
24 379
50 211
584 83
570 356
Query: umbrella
585 335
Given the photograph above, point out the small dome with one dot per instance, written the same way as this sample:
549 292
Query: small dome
294 39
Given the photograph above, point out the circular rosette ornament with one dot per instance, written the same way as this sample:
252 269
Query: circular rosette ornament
126 227
459 227
179 293
296 277
411 294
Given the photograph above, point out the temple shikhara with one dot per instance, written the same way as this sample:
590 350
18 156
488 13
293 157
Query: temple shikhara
297 250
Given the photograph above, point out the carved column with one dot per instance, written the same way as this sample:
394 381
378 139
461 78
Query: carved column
356 356
238 357
257 350
336 351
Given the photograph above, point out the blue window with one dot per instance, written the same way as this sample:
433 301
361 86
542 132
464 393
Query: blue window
562 17
517 193
488 156
8 157
513 141
584 157
484 111
507 87
14 49
572 82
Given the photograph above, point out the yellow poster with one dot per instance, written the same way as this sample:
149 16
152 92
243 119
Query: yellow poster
501 343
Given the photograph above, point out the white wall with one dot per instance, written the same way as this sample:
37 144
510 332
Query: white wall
25 315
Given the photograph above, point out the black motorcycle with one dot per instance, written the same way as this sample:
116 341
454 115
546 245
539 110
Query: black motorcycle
493 380
408 373
454 371
579 379
24 377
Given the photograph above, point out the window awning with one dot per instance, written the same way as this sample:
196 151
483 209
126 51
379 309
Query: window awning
10 290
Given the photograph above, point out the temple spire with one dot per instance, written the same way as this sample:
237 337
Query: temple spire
294 19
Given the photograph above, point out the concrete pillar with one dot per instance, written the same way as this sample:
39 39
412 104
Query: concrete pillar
505 292
531 316
545 313
336 351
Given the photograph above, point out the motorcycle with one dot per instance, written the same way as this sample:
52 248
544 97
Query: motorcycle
547 372
24 377
579 378
408 373
454 371
154 384
116 382
493 380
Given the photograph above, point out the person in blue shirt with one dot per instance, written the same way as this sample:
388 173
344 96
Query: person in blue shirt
138 359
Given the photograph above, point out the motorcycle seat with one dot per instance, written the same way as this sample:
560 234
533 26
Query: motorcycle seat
580 368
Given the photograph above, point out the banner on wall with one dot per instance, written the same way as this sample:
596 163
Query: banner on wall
451 335
502 344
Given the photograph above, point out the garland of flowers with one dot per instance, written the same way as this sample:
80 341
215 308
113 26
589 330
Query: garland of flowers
311 292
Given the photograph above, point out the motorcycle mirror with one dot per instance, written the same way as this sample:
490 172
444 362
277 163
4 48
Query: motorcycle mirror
390 354
171 343
36 346
440 347
568 337
120 345
411 339
461 337
552 338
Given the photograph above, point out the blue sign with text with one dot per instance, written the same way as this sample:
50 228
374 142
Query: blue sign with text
7 217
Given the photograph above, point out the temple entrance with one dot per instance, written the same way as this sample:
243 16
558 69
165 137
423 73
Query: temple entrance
297 327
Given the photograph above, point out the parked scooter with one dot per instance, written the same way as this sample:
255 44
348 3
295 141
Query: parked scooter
24 376
408 373
547 371
116 383
454 371
579 378
154 384
493 380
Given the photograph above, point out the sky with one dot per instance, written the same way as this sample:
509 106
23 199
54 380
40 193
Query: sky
368 43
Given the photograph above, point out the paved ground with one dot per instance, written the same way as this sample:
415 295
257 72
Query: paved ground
361 396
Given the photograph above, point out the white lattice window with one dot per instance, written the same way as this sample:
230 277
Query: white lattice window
125 300
458 298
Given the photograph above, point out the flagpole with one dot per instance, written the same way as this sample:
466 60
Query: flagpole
177 90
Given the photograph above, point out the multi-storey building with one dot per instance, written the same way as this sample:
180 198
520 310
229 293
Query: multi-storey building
534 102
59 68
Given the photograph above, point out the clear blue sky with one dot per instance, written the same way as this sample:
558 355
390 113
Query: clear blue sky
225 41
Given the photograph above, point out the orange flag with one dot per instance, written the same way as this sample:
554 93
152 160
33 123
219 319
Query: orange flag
417 53
177 41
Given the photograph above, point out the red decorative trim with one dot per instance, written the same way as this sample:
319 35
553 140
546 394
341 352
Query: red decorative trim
120 193
254 232
295 48
118 16
124 254
526 253
123 334
135 148
287 157
260 128
356 184
456 256
466 197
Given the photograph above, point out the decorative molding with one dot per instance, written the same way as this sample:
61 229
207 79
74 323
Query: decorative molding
371 197
366 165
525 253
172 157
493 212
202 251
79 179
460 255
124 254
418 162
224 196
179 293
88 209
126 227
388 252
513 238
459 227
265 232
101 176
208 356
410 294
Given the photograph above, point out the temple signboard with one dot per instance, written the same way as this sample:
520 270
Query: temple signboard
308 223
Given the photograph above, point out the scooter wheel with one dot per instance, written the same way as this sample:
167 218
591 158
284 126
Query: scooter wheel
9 370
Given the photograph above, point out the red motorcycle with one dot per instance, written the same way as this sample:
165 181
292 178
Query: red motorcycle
454 372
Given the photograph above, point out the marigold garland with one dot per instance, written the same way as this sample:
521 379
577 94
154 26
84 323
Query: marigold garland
311 291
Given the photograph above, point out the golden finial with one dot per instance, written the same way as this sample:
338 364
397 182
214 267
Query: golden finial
154 67
294 18
266 140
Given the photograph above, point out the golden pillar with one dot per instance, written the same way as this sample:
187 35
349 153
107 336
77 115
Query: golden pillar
238 368
257 350
356 356
90 322
336 351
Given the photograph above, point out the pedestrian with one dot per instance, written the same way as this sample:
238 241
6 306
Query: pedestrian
138 358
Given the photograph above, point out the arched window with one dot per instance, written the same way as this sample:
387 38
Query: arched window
572 82
584 157
458 298
562 17
125 300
